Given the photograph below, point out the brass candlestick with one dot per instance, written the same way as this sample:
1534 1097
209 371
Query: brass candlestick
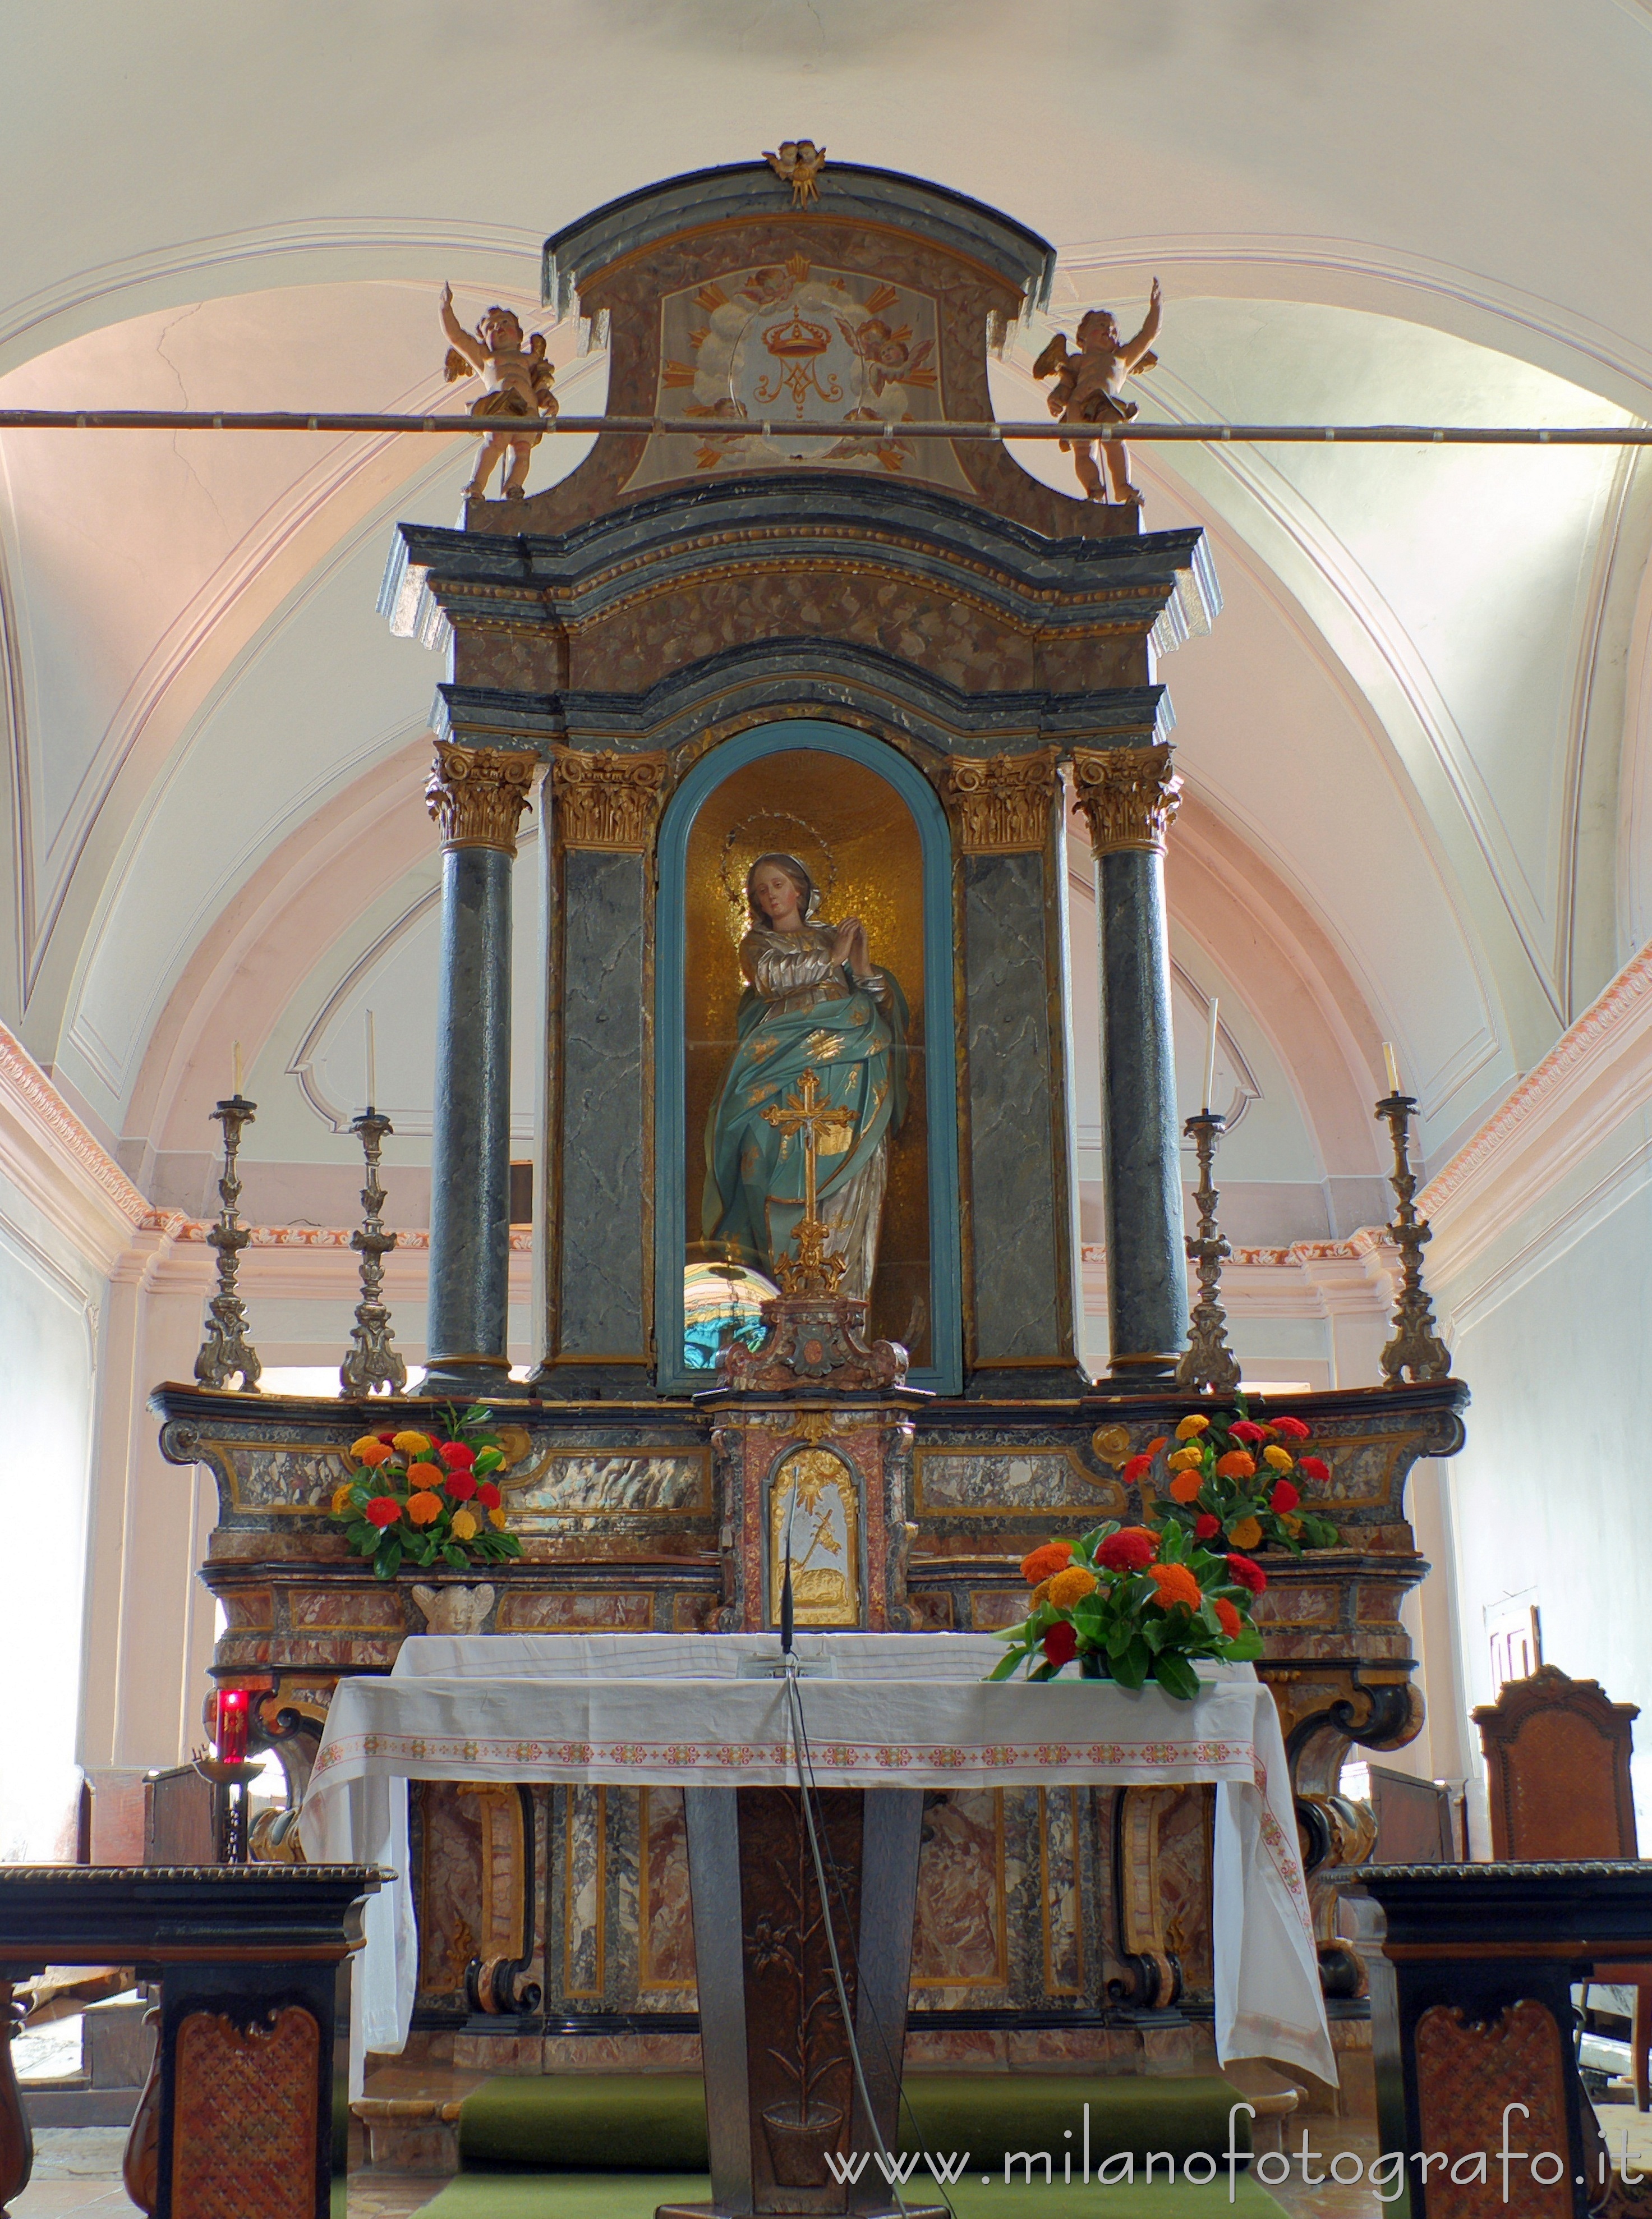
374 1361
1208 1361
226 1352
1416 1347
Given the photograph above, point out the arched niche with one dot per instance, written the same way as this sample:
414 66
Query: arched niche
883 828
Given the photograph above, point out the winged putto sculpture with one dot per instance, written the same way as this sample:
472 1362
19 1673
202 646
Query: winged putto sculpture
1087 389
519 382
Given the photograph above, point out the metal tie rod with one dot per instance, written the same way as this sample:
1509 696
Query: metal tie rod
704 429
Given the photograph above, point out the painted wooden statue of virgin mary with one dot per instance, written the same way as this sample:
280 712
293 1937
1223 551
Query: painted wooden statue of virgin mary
813 999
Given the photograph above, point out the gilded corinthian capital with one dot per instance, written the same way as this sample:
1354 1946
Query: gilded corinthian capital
606 799
1128 797
1001 804
478 795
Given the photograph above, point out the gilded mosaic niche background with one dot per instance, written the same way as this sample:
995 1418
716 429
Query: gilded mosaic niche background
859 839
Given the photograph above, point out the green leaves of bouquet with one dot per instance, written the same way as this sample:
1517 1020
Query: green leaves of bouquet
1133 1606
425 1499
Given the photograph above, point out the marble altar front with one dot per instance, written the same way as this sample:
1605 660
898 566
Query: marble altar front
1062 1923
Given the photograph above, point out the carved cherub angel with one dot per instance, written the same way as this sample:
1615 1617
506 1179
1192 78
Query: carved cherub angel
1088 390
518 384
799 162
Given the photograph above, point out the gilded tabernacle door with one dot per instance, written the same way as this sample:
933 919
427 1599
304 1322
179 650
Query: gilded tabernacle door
804 964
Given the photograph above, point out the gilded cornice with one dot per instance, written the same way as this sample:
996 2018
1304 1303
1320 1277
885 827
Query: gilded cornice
191 1232
727 564
1030 614
1160 583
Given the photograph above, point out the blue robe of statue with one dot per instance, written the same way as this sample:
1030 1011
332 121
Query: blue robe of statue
800 1010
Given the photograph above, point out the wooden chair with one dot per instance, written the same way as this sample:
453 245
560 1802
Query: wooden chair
1557 1754
182 1818
1414 1820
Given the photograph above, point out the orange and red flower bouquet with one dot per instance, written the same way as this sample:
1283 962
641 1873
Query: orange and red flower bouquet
424 1499
1233 1483
1132 1605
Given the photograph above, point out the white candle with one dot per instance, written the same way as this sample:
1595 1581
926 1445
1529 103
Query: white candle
1210 1056
372 1064
1391 1066
237 1070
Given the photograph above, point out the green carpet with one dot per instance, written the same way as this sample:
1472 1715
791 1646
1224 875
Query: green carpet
611 2122
656 2121
635 2196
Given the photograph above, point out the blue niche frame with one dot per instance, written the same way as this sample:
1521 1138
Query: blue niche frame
945 1375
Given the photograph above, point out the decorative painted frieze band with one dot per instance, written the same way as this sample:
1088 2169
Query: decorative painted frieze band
478 795
1371 1241
194 1230
33 1095
1002 806
606 799
1128 797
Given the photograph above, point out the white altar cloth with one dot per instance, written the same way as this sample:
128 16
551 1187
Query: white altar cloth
904 1710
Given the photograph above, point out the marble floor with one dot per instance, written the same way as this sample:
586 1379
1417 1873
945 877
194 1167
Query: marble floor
77 2170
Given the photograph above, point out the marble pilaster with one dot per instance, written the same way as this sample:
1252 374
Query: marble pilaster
1004 817
597 1177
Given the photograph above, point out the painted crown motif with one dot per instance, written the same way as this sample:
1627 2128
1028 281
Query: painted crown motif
797 336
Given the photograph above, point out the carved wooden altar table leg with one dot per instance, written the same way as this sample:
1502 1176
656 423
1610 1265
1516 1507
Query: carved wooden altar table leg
781 2097
141 2162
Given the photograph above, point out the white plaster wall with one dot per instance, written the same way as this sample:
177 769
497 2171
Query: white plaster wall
1548 1498
49 1328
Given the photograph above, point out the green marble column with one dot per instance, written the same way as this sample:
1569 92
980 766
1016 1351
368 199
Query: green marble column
477 796
1129 795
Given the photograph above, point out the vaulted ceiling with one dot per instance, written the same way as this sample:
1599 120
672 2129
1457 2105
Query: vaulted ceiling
1417 744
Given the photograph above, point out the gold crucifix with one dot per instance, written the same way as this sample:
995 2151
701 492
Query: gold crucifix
815 1272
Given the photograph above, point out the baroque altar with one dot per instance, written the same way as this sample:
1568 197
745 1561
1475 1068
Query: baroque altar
803 702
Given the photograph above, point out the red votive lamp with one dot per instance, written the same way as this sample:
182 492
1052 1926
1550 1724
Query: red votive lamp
234 1707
